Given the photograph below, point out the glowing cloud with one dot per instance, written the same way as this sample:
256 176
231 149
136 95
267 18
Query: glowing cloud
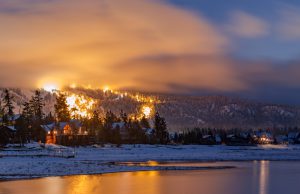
84 41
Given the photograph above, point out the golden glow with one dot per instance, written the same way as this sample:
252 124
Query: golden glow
146 111
80 105
152 163
74 54
83 184
146 102
151 173
83 106
50 87
106 89
73 86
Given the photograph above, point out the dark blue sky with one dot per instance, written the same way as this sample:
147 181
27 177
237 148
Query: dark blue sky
270 46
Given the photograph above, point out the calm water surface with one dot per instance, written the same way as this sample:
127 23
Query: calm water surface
261 177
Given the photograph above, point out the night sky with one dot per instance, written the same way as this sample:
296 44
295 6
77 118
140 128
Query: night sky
248 48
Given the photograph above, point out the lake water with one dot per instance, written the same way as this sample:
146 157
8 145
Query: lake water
261 177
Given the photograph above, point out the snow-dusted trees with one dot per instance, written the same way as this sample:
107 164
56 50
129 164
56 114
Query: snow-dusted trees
1 112
8 108
28 125
37 104
61 108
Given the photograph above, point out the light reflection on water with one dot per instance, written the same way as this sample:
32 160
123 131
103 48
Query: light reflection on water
264 176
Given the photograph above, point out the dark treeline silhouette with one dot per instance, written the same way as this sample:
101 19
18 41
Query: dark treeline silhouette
33 124
238 137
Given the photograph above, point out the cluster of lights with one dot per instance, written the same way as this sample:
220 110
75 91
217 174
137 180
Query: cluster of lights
147 111
80 105
147 108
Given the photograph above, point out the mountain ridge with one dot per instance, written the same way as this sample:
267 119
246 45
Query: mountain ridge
180 111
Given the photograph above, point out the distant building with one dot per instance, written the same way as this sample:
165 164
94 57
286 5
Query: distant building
66 133
265 138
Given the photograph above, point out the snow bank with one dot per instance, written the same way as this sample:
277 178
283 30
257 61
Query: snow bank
94 160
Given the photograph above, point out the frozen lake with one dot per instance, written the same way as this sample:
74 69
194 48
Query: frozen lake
261 177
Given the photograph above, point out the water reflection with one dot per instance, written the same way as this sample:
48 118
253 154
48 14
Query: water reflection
83 184
266 178
114 183
260 177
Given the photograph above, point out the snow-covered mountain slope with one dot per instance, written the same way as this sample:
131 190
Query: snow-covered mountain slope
182 111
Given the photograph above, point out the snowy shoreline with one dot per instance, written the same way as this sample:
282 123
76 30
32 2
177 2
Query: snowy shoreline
101 160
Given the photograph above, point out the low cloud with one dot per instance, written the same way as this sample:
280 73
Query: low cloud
142 44
289 23
246 25
162 73
58 41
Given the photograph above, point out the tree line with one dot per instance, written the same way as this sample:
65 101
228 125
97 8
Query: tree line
101 129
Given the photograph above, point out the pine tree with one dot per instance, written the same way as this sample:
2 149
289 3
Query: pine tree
123 117
95 127
27 112
109 119
33 117
160 126
49 118
61 108
1 112
25 124
136 133
8 107
95 124
37 106
116 137
22 132
144 123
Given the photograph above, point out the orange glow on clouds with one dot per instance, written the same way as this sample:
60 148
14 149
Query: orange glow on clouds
95 42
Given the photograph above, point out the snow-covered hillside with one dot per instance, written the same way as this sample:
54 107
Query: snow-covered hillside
183 111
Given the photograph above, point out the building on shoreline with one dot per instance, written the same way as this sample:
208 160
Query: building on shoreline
66 133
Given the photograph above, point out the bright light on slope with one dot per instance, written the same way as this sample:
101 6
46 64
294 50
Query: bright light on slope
80 105
146 111
50 87
106 88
